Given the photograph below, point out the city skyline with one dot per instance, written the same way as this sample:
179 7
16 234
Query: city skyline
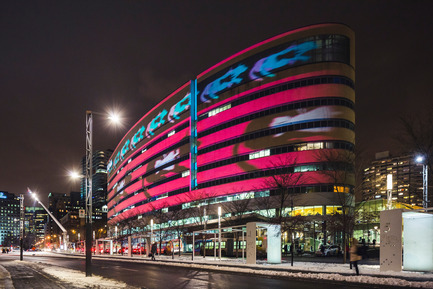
62 59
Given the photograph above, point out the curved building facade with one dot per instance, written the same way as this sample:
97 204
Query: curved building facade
284 103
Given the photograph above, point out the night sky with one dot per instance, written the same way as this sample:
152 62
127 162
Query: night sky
61 58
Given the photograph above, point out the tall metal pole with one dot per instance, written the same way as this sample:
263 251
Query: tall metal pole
204 233
89 165
219 233
425 186
22 215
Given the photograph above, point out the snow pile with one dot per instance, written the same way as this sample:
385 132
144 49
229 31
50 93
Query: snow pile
77 279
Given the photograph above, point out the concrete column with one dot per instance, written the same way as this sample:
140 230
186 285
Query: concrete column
390 240
251 243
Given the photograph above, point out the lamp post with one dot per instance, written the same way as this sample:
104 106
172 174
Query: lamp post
204 240
151 231
421 160
389 191
21 225
88 191
88 185
219 232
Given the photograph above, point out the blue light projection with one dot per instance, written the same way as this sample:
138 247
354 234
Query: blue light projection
226 81
148 130
263 67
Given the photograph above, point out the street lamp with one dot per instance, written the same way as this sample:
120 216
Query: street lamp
421 160
88 185
151 232
219 232
22 215
389 191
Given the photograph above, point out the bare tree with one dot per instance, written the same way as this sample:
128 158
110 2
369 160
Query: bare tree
284 182
178 224
163 220
416 136
237 210
339 168
199 211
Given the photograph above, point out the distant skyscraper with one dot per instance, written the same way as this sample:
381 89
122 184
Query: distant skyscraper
59 205
99 182
36 218
406 176
9 219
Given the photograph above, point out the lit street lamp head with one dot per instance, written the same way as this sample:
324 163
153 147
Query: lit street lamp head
114 117
419 159
33 194
74 175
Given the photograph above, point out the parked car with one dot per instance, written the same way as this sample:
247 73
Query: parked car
328 250
333 250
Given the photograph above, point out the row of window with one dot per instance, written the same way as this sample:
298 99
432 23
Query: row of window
279 130
277 151
291 85
277 171
288 107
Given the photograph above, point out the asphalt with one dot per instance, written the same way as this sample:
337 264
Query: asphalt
12 275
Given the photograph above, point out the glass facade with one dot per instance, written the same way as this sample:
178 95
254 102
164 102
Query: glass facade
219 138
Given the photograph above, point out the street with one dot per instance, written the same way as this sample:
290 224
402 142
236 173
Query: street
151 276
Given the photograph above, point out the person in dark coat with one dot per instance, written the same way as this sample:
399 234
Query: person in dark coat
153 251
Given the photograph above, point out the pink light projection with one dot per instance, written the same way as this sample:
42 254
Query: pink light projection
144 169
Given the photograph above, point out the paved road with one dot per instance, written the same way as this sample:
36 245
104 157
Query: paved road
150 276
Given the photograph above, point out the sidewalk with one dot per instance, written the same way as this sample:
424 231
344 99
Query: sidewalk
370 274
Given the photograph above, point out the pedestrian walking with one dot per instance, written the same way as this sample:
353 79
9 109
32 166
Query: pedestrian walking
354 257
153 251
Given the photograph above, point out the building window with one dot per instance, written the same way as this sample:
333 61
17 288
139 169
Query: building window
219 109
260 154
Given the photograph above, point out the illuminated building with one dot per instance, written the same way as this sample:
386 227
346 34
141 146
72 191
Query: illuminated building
9 219
36 218
221 135
406 176
99 181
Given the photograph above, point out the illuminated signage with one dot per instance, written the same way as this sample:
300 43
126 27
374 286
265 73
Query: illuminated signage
3 195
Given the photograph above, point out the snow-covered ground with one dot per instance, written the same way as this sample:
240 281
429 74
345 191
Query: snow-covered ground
370 274
77 279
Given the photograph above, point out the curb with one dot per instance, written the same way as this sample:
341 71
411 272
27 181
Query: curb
5 279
